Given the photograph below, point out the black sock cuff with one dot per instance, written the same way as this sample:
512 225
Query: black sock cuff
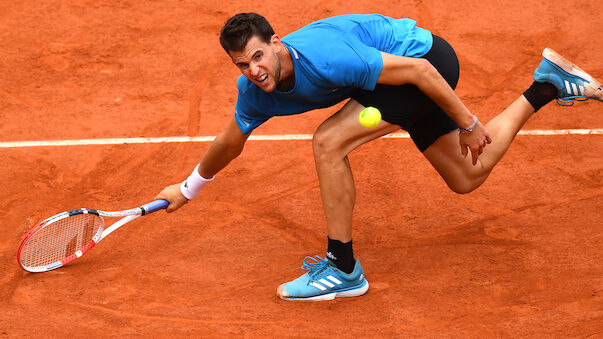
341 254
540 94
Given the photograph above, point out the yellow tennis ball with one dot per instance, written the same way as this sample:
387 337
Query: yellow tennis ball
370 117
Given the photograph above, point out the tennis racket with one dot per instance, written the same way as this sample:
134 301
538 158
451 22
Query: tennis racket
62 238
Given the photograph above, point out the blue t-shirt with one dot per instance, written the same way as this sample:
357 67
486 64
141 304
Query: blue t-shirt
332 58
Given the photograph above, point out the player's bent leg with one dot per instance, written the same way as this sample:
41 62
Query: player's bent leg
323 281
571 82
458 172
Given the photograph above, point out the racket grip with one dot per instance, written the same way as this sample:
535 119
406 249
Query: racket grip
155 206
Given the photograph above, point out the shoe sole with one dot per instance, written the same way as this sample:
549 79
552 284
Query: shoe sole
566 65
571 68
329 296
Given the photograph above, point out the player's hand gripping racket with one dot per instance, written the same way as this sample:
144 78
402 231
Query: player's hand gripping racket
64 237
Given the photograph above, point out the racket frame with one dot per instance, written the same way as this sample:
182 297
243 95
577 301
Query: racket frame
127 216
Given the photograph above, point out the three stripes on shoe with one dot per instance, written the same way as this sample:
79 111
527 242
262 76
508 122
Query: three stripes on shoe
572 89
329 284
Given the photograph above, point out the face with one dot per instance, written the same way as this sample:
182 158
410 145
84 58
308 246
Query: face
259 62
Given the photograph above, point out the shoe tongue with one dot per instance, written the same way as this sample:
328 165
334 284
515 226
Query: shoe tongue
322 266
331 263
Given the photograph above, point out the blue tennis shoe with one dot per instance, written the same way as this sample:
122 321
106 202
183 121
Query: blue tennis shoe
572 83
324 281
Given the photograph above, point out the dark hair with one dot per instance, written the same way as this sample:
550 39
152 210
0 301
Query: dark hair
240 28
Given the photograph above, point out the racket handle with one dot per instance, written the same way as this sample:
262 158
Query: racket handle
154 206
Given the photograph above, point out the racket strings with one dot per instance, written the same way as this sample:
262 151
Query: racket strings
60 239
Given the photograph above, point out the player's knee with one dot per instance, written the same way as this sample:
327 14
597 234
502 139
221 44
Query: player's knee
320 144
464 185
464 179
461 188
324 145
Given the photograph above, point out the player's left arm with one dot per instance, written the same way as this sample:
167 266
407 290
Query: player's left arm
398 70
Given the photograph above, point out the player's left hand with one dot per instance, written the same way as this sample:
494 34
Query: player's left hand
474 141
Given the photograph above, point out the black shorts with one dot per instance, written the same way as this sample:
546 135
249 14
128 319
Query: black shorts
408 107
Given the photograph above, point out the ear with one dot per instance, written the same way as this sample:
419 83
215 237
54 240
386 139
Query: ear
276 42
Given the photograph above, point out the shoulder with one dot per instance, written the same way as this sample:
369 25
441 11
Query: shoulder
321 41
331 37
348 21
243 84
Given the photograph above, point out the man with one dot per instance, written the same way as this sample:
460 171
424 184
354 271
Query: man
403 70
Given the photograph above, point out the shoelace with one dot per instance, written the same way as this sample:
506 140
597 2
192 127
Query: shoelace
314 265
569 101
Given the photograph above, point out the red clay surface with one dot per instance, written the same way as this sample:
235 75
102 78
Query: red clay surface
519 257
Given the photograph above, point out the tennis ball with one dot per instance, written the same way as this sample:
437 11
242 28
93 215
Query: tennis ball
370 117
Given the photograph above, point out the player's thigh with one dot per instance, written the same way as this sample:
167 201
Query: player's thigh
342 132
458 172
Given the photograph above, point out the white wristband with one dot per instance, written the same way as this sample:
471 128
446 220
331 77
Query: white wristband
470 128
192 186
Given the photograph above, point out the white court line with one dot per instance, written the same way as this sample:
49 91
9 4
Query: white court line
276 137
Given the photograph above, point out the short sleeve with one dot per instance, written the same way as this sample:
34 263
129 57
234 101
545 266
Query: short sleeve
247 118
246 115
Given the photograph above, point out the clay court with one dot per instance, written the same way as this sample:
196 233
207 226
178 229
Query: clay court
519 257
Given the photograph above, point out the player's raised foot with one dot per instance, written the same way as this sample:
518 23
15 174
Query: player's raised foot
323 281
572 82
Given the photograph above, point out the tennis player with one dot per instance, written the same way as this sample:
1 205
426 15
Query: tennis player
405 71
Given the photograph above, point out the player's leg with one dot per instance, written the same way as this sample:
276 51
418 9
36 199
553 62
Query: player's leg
555 77
340 275
458 172
334 139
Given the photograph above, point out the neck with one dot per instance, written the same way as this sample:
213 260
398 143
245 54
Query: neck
287 78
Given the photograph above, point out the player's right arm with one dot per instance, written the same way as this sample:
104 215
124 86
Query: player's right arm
226 147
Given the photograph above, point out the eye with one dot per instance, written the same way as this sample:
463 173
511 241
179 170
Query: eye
257 56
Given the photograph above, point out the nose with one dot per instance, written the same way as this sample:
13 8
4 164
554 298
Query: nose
254 69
